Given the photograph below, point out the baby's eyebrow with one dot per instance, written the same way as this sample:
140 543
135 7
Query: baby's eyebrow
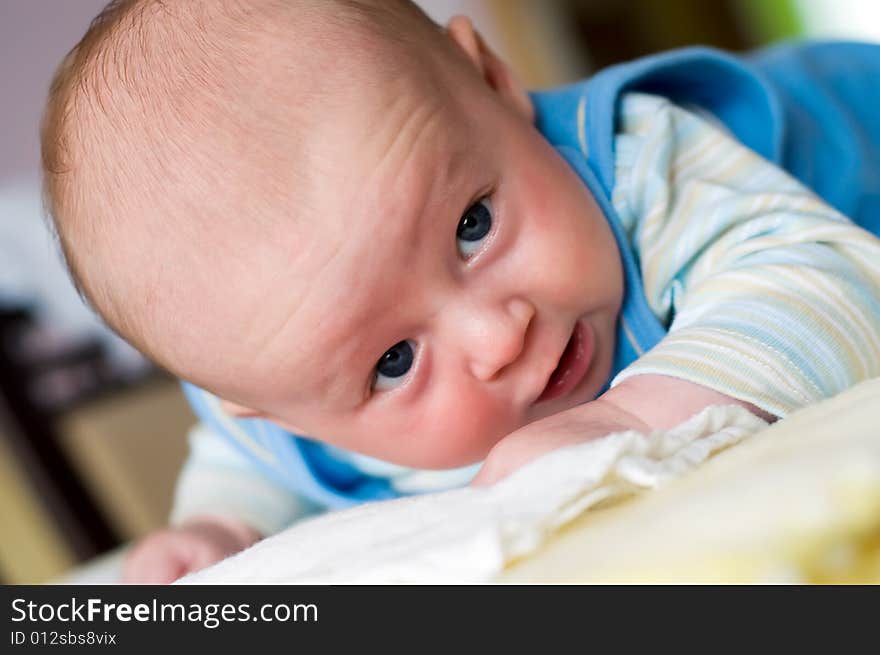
448 183
425 218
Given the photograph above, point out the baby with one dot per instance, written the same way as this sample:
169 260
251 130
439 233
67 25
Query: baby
340 221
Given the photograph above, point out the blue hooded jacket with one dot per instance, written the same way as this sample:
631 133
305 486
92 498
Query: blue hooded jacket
812 109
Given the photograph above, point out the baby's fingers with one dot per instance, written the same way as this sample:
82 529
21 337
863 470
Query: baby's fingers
154 561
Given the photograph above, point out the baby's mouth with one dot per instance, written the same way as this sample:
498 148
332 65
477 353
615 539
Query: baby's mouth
573 363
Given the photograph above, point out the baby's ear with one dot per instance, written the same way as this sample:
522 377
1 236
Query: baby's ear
240 411
494 71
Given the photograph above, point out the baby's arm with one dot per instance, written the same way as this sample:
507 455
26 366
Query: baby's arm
773 297
643 403
223 504
166 555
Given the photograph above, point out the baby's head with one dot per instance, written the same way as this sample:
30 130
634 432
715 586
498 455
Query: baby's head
334 215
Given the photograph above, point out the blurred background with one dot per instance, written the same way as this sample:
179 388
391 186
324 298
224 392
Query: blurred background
91 435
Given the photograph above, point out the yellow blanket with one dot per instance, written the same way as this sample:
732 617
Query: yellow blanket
798 502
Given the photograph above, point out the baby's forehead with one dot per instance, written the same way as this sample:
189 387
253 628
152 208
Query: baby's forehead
322 317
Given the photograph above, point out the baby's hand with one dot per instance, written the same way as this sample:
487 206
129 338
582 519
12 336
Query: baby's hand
168 554
576 425
661 403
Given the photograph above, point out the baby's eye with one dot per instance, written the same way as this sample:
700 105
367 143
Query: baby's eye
473 227
393 366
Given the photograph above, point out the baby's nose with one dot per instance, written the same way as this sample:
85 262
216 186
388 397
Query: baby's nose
498 337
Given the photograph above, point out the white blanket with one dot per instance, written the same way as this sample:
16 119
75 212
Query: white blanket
469 535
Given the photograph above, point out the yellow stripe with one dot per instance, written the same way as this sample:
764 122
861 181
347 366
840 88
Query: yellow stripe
631 337
581 123
238 432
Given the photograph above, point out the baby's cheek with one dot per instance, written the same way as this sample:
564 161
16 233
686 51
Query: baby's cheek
463 427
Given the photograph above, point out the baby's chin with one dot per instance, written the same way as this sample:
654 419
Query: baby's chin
443 452
587 391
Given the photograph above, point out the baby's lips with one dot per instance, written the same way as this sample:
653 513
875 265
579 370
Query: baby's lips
573 363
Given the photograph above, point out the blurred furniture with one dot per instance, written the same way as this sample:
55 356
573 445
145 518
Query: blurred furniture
551 43
87 459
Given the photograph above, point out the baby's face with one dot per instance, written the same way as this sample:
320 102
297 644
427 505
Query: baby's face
458 282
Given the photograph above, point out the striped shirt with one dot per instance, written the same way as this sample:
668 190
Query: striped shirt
770 295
